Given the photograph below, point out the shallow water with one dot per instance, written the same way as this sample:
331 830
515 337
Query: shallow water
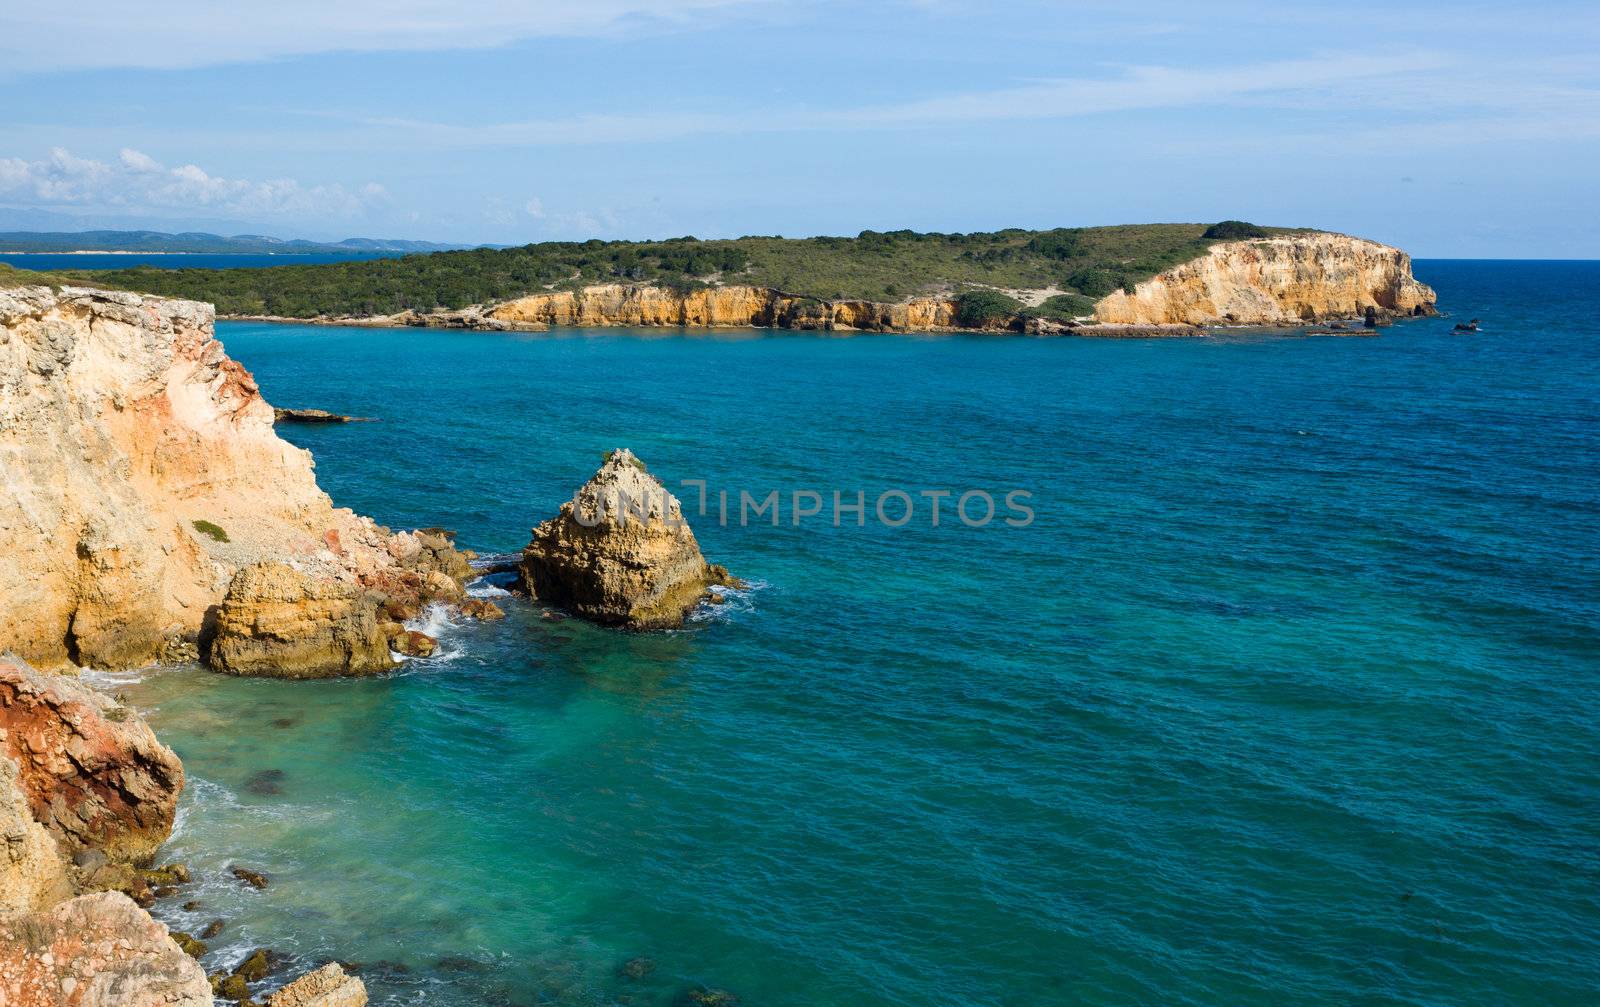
1288 694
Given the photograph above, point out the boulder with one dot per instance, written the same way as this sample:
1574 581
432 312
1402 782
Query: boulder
481 610
328 986
95 950
279 622
620 552
92 771
414 643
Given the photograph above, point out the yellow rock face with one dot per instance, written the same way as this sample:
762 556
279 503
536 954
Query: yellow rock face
138 472
1282 280
721 307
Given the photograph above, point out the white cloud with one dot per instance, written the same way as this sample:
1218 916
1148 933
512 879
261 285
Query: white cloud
137 181
1426 86
192 33
535 208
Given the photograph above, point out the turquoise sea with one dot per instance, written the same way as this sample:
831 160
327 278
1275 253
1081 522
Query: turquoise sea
1290 693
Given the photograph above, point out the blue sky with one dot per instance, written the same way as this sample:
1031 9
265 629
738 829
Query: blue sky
1451 129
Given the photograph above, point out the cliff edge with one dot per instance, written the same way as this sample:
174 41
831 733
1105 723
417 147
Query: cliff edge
141 472
1287 279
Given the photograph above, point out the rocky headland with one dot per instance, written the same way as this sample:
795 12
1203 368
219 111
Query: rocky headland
1288 279
145 487
1284 279
620 552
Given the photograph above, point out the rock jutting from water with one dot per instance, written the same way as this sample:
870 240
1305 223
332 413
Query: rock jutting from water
328 986
620 552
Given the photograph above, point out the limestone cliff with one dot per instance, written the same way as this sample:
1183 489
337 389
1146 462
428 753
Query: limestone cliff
141 472
714 307
1268 281
620 552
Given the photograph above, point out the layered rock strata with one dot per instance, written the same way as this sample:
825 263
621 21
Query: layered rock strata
85 791
620 552
1282 280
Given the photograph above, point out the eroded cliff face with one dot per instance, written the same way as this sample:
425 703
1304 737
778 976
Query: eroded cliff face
1269 281
717 307
140 472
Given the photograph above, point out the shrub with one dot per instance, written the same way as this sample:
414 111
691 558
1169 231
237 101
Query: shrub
1095 283
978 309
1063 308
1230 230
632 460
1062 243
211 531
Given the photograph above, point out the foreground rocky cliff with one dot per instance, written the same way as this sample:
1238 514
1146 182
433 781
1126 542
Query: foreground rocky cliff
620 552
1275 281
142 474
86 794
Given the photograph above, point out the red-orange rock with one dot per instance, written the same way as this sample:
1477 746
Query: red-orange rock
91 770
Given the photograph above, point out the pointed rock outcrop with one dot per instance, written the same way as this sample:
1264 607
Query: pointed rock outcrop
620 552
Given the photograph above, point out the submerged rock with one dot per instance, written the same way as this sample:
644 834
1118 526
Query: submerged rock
313 416
255 879
620 552
328 986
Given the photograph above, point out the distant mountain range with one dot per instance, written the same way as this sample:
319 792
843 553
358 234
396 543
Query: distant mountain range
201 242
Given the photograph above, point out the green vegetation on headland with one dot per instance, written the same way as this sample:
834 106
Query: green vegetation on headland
1081 264
10 276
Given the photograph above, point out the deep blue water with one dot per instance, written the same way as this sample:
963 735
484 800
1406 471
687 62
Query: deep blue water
1288 695
234 260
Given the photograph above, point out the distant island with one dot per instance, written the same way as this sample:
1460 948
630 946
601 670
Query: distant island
1157 277
199 243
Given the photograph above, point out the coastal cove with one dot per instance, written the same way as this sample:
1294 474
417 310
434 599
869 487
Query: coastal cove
1288 694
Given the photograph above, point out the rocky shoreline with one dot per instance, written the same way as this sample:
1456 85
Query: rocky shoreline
154 517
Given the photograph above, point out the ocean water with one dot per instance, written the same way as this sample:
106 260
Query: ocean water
1287 695
186 260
